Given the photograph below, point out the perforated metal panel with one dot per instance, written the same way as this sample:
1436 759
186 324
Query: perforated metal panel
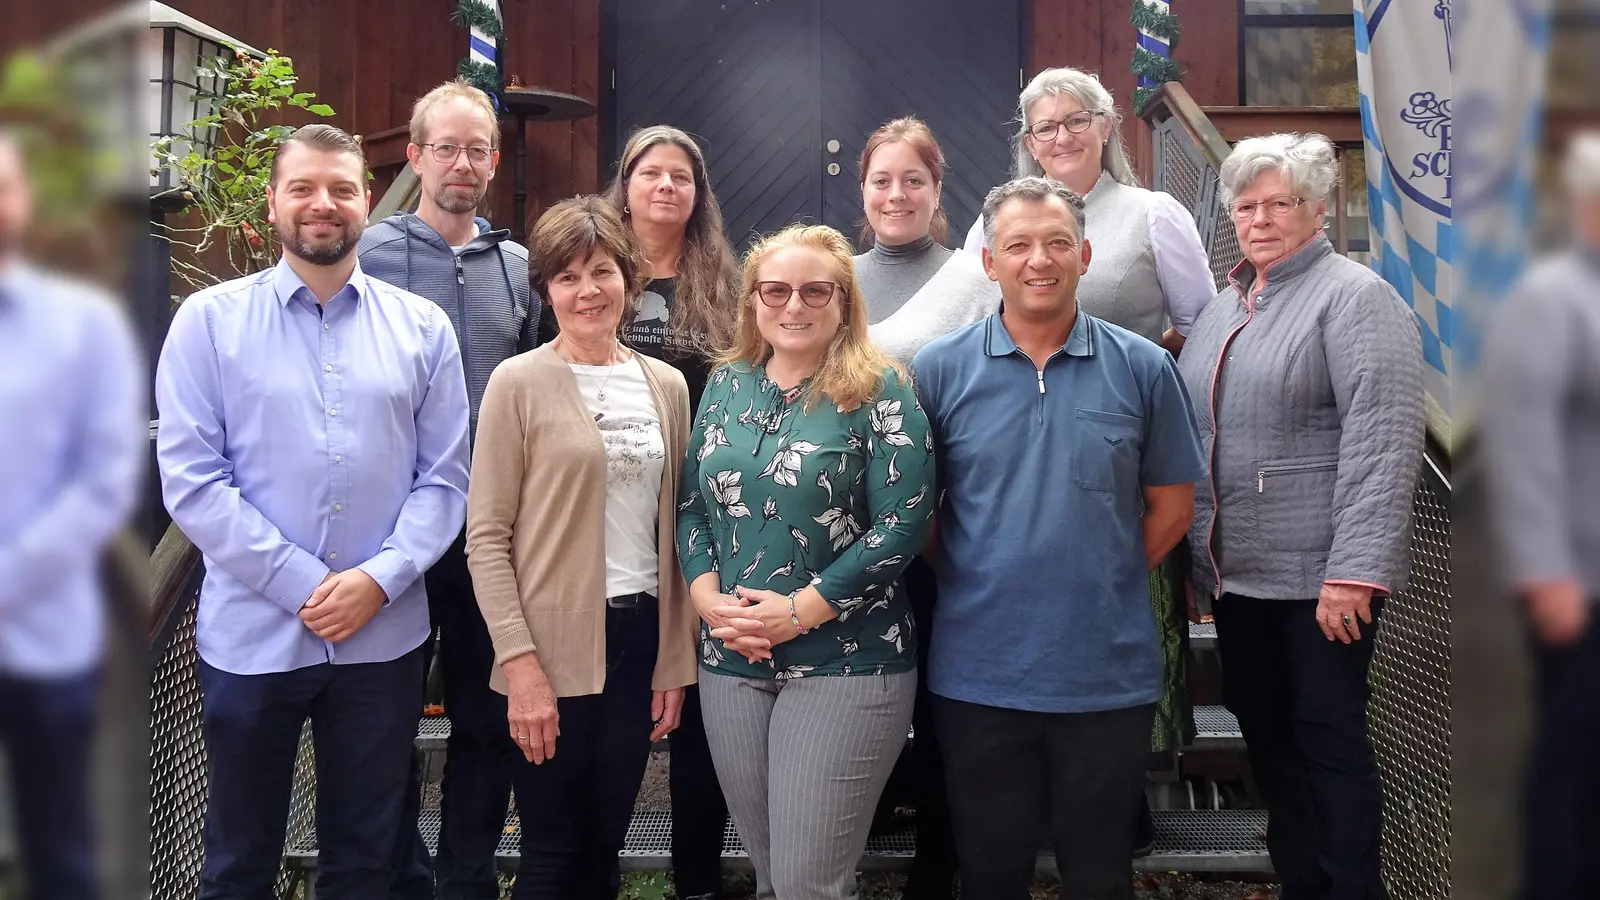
1409 715
1223 243
1215 728
1178 172
177 765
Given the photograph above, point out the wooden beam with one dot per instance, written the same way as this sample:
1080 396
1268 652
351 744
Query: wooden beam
386 147
1342 125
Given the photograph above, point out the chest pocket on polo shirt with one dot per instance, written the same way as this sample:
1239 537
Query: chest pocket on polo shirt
1105 450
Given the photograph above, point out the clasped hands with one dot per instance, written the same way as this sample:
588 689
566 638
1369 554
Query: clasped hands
342 604
749 622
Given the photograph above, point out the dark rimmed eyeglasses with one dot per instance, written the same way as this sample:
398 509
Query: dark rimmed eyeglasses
447 154
1077 123
814 294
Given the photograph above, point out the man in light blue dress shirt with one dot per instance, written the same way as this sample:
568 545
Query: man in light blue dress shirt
72 434
313 445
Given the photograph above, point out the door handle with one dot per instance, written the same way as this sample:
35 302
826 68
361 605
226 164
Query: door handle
833 145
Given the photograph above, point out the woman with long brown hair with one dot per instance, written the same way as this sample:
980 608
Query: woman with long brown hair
807 486
684 316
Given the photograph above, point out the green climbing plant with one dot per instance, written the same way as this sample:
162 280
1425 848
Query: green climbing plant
225 185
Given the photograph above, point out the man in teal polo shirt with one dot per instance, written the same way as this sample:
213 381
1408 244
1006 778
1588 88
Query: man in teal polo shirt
1068 452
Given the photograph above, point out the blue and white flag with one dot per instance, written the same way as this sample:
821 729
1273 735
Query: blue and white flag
1403 63
480 46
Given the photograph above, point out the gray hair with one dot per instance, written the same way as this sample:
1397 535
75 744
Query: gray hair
1580 172
1032 188
1307 159
1085 88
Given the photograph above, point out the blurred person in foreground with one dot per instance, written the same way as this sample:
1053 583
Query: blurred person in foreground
313 445
72 433
1540 432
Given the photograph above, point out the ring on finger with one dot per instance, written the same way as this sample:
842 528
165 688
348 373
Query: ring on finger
1346 619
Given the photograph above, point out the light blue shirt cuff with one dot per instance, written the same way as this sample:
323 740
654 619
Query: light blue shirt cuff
292 585
392 571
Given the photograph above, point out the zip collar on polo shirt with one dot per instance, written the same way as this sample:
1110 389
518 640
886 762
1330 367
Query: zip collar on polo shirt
997 340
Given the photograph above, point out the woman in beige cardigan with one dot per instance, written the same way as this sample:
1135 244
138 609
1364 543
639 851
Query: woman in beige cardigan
570 536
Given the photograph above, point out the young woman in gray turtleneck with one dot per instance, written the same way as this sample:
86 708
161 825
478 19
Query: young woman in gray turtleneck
915 287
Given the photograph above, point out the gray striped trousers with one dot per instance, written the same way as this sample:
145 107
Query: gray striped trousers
802 763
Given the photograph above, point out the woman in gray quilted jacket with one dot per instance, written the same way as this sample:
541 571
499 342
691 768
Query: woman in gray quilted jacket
1306 375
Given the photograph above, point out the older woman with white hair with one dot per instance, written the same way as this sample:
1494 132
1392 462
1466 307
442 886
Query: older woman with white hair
1306 375
1540 433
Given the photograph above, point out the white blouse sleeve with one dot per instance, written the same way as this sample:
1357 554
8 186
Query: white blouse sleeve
1181 264
974 244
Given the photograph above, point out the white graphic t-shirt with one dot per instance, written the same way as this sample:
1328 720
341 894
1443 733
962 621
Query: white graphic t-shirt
636 455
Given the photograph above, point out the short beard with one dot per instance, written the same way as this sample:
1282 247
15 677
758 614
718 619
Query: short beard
318 256
456 203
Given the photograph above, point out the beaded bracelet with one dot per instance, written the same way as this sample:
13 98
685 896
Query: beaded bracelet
794 616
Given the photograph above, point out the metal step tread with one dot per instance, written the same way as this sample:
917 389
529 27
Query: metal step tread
1186 841
1215 728
1203 636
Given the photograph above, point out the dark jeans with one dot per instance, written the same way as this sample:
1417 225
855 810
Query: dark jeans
1013 773
699 811
933 870
1301 701
48 735
576 805
475 789
1563 782
363 723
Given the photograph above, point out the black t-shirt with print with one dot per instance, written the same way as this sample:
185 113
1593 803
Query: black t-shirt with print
651 334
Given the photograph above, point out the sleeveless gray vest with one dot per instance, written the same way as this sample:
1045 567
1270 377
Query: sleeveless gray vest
1121 285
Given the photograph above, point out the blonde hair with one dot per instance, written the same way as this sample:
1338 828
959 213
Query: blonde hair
852 368
452 90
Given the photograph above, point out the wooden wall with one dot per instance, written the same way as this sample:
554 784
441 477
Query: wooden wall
370 59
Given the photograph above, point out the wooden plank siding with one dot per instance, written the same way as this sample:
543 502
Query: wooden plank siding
370 59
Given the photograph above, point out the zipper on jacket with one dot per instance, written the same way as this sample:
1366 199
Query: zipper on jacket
465 338
1290 469
1211 464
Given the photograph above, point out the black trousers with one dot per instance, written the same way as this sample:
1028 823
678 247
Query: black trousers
1563 780
475 789
699 811
363 724
1301 701
1015 775
575 806
933 870
48 735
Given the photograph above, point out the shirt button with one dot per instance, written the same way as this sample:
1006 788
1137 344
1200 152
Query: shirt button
332 411
327 368
338 458
333 555
338 507
326 326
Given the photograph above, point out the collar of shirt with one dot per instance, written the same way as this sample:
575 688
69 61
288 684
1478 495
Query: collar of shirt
287 284
13 285
997 340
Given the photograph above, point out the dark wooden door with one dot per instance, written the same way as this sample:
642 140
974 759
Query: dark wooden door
766 85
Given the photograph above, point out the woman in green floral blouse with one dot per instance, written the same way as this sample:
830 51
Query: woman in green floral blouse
808 487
